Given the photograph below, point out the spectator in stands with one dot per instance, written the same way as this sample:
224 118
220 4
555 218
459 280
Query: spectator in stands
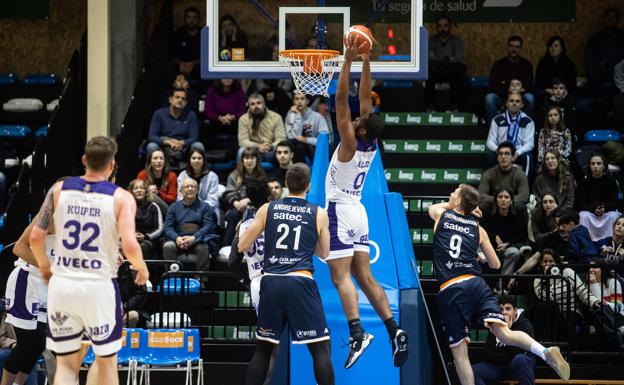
565 294
148 219
563 100
186 45
596 198
278 94
504 175
582 248
225 104
207 181
543 217
190 228
160 181
234 198
502 362
231 35
277 191
605 287
303 125
446 62
516 127
512 66
604 50
554 136
284 156
7 344
554 64
181 83
618 101
508 229
174 129
133 296
611 249
260 128
556 179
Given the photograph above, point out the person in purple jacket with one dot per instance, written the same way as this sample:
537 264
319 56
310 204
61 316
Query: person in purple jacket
225 103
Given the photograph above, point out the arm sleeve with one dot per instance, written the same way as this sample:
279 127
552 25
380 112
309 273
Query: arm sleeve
526 139
208 225
155 129
170 193
244 126
492 138
294 124
574 251
484 187
522 195
193 129
280 131
157 222
209 109
213 190
170 231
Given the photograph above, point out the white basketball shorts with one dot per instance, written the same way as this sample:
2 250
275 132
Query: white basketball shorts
348 229
26 299
76 305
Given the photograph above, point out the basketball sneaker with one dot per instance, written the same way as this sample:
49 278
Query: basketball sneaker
556 361
357 348
399 347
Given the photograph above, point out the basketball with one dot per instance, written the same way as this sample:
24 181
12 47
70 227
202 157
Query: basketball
363 38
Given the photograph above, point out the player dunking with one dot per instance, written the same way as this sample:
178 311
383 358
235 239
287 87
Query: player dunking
294 230
348 222
464 296
90 215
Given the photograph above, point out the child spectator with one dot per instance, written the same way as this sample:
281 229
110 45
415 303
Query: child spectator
596 198
555 178
554 135
582 248
611 249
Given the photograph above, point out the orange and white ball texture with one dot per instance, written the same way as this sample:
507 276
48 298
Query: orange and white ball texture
362 36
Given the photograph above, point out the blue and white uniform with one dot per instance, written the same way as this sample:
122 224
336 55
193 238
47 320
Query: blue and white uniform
464 297
254 258
26 293
348 222
288 293
83 293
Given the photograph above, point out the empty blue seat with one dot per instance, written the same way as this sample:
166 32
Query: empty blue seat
130 345
174 286
191 345
42 132
602 136
14 131
163 347
41 79
8 78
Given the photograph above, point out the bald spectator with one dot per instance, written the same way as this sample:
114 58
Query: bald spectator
260 128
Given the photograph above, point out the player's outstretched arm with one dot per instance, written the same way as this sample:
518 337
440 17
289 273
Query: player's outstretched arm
488 250
254 230
322 224
22 246
39 230
366 101
343 112
127 232
435 211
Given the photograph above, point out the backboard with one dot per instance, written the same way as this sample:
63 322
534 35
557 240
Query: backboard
242 38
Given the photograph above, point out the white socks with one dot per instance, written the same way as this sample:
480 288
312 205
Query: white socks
538 349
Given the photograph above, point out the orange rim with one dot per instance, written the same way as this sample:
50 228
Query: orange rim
302 54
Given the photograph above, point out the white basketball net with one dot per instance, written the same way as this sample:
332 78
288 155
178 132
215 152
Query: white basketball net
312 70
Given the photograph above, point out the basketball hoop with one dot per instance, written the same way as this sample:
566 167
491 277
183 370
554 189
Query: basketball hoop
311 69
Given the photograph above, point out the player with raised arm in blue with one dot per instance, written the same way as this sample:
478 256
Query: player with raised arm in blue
348 222
464 296
294 231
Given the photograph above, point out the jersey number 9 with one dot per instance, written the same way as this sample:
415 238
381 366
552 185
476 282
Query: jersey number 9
455 246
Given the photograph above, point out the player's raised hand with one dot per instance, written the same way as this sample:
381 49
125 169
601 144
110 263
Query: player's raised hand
351 48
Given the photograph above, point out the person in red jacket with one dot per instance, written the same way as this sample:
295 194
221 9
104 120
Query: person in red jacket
160 180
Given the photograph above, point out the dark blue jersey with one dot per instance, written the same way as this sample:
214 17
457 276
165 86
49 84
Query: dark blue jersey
290 236
455 246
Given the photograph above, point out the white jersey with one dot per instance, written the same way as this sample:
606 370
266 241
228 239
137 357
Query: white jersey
344 181
255 255
87 243
49 250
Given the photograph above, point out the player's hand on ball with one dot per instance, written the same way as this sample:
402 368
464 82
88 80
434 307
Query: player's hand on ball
351 50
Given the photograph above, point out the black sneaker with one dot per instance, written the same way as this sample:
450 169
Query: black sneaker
399 347
357 348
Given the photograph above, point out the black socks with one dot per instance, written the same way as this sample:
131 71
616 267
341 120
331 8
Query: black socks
391 326
355 329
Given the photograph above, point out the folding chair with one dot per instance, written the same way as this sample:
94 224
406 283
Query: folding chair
163 349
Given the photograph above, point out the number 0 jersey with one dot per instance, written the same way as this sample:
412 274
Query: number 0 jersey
87 241
290 236
455 246
345 180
